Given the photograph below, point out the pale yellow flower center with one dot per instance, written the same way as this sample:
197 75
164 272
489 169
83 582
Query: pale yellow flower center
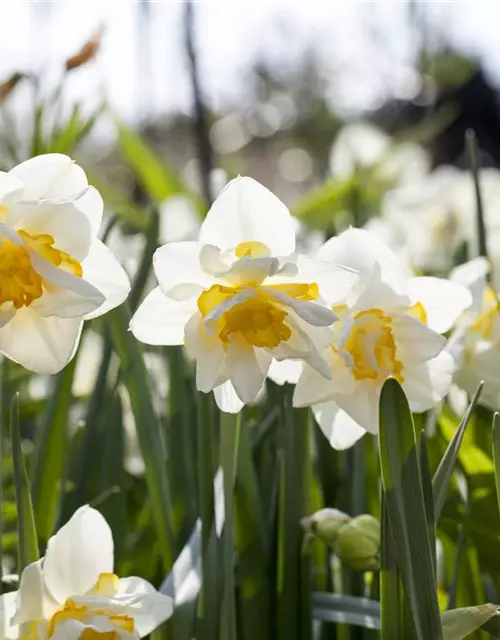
107 585
20 284
485 322
259 321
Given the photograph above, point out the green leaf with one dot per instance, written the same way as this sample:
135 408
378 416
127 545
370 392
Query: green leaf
473 157
251 545
156 178
51 446
442 477
390 582
135 376
26 530
496 454
362 612
459 623
229 448
294 450
402 485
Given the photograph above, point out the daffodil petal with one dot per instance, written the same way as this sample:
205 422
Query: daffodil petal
70 228
103 271
52 176
359 250
227 399
286 371
207 351
7 610
313 388
42 345
76 555
415 341
443 301
472 275
245 211
334 281
154 609
160 320
11 190
312 312
362 405
427 383
246 371
176 265
33 601
341 431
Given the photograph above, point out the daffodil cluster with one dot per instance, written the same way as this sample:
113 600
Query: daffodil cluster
337 324
244 303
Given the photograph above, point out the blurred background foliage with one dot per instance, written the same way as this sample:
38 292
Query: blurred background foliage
122 428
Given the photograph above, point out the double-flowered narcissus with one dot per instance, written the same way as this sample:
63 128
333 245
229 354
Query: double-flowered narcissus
73 594
390 325
54 272
239 297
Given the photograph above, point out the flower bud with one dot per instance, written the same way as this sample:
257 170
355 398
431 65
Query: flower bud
325 524
358 543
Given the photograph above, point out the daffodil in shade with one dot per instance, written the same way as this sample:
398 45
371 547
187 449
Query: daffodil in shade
54 272
390 325
240 297
72 593
475 344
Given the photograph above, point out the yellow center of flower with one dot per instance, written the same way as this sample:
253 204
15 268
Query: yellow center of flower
20 284
485 322
372 347
260 320
107 585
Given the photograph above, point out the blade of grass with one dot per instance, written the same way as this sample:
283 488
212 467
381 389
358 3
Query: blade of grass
26 529
402 484
442 477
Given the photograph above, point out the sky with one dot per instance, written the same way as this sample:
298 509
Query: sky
367 46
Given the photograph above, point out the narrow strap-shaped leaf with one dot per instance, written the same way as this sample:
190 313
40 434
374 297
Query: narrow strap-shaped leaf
496 454
441 479
389 581
473 157
229 448
332 607
28 540
405 503
148 429
294 450
425 474
51 448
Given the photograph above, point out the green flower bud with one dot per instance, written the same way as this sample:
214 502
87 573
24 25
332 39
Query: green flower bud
325 524
358 543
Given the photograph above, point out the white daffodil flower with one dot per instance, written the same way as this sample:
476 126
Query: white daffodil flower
72 593
390 325
54 273
435 217
475 344
239 297
363 145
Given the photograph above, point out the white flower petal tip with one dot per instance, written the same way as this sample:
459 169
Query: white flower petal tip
245 211
57 274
